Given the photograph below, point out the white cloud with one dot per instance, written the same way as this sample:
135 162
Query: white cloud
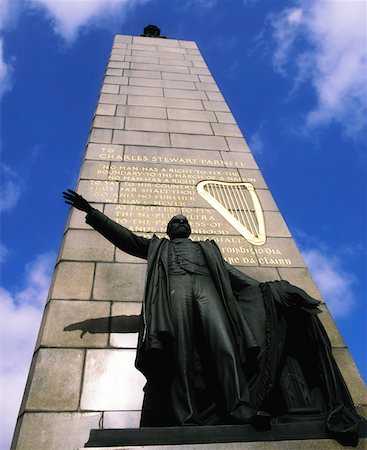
5 71
20 314
324 43
335 284
10 189
70 16
3 253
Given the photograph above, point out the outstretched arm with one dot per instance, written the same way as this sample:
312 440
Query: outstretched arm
120 236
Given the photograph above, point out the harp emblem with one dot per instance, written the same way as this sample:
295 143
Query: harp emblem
239 204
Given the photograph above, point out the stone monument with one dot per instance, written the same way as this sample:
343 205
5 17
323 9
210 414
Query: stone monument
163 142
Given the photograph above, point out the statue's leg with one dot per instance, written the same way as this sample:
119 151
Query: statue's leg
182 387
221 351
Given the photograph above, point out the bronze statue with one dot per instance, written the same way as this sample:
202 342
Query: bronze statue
218 347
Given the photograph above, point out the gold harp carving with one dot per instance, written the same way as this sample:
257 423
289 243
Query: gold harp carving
239 204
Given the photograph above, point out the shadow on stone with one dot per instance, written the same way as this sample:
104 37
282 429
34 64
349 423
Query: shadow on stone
116 324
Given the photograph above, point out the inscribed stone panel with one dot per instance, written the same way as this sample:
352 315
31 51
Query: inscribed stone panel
119 337
95 170
73 280
63 313
111 381
86 245
279 252
119 282
105 152
56 380
99 191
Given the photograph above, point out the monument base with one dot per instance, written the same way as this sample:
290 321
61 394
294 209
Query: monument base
186 435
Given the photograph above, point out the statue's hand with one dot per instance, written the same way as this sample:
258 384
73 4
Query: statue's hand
76 200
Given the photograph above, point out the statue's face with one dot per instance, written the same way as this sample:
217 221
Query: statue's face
178 226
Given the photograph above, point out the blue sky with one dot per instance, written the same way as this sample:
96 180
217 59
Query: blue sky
294 75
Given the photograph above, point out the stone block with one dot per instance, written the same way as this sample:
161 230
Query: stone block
165 102
145 47
330 327
225 117
106 110
99 191
117 57
95 170
145 91
113 99
210 105
119 282
77 218
279 252
142 74
215 96
86 245
184 93
168 126
252 176
179 76
275 225
199 71
141 111
226 129
301 277
141 138
184 114
174 84
188 44
210 87
196 57
119 338
55 431
108 79
352 377
200 142
56 380
122 39
156 42
73 280
237 144
111 381
101 135
110 89
160 67
108 122
161 54
120 51
176 62
193 51
106 153
63 313
199 64
242 159
266 200
117 45
206 79
123 257
114 72
143 59
118 65
121 419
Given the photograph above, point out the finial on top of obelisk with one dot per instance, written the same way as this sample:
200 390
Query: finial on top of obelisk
152 31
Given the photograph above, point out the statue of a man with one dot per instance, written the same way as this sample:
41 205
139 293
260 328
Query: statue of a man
217 346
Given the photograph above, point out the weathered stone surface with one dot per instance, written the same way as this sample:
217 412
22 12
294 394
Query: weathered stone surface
154 41
141 111
275 225
226 129
114 72
99 191
101 135
211 105
111 381
266 200
355 383
123 257
120 282
142 59
121 419
179 76
225 117
176 62
199 64
95 170
62 313
139 90
279 252
159 54
261 274
113 99
77 218
184 93
215 96
106 110
125 340
168 126
194 57
109 79
301 278
188 44
55 431
142 74
123 39
208 87
170 84
56 380
165 102
108 122
110 89
206 79
237 144
185 114
160 67
73 280
199 70
330 327
118 65
86 245
103 152
200 142
141 138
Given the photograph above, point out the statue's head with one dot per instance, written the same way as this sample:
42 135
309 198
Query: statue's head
178 227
